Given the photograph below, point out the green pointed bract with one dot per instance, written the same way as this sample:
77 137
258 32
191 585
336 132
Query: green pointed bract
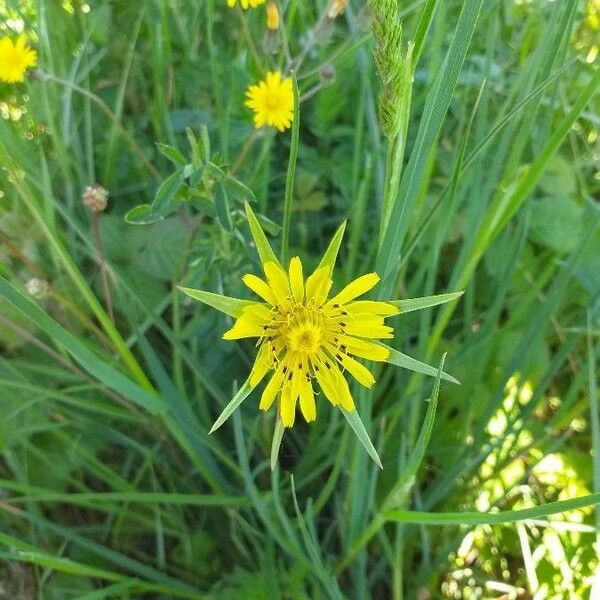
241 395
356 423
412 364
230 306
276 443
410 304
331 253
265 252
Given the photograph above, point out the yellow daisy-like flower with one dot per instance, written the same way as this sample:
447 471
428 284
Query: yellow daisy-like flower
245 4
15 59
272 101
307 340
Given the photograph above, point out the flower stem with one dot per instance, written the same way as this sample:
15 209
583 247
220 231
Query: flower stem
291 172
103 268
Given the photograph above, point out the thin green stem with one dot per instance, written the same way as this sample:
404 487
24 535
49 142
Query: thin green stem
291 172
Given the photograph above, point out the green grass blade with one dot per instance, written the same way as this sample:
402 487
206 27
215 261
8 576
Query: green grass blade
96 367
509 516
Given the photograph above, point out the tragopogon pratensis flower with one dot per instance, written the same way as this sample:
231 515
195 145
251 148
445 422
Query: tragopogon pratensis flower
245 4
15 58
272 101
308 338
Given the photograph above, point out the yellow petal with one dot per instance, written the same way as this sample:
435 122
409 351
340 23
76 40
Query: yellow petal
242 329
271 389
356 288
370 307
358 371
364 349
278 282
318 285
287 405
307 400
260 288
346 400
326 379
296 279
261 365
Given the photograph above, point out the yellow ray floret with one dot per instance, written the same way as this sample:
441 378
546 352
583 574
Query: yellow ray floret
15 58
307 341
245 4
272 101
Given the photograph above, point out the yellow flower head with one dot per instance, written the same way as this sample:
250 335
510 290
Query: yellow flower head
245 4
307 338
272 101
272 16
15 59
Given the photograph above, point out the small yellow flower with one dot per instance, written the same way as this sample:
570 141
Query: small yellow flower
272 16
272 101
245 4
336 8
15 59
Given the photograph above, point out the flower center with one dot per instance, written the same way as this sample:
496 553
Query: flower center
272 101
304 331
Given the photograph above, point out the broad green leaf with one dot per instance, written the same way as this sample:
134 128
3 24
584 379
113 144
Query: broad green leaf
410 304
331 253
230 306
241 395
91 363
412 364
265 252
142 215
361 433
166 192
239 190
173 154
276 443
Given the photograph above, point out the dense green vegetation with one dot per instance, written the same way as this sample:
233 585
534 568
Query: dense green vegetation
480 173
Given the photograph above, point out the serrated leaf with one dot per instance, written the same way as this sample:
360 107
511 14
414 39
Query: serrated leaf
276 443
331 253
412 364
356 423
265 252
410 304
173 154
222 207
241 395
230 306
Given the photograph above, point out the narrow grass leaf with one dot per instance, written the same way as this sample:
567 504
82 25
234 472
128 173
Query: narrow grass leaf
91 363
509 516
